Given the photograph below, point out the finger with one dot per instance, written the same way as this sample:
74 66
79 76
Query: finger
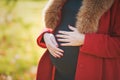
59 53
63 40
62 36
56 50
53 47
53 53
71 28
64 32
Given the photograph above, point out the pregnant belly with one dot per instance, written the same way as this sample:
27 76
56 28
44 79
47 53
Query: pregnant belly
66 65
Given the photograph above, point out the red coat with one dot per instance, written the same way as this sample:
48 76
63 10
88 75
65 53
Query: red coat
99 57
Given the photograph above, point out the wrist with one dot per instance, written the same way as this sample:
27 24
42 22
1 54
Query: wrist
46 35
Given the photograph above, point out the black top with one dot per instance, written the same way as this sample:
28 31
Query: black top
66 66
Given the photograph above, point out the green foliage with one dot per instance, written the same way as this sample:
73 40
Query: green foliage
19 28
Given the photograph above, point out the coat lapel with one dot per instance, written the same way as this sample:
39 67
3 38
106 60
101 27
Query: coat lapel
88 15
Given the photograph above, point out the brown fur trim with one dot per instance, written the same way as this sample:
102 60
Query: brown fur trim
90 13
87 18
52 11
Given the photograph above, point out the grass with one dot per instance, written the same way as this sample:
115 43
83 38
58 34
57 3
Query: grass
19 53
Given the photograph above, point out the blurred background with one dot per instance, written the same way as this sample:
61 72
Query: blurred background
20 25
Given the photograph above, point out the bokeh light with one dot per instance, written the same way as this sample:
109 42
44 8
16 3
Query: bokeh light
20 25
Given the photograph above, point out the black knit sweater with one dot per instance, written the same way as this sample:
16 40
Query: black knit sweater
66 66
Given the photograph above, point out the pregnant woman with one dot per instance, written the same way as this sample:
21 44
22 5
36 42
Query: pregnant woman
82 38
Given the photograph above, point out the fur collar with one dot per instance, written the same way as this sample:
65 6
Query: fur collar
87 18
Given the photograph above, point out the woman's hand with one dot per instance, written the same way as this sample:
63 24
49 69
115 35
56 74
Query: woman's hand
52 45
70 38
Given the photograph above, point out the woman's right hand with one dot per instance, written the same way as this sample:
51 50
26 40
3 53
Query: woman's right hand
52 45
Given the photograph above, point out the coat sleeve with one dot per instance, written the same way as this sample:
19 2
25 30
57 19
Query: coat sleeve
40 40
104 45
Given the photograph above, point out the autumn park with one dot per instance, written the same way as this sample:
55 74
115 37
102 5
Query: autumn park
20 25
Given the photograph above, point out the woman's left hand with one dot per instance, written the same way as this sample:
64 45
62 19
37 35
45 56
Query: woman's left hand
70 38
